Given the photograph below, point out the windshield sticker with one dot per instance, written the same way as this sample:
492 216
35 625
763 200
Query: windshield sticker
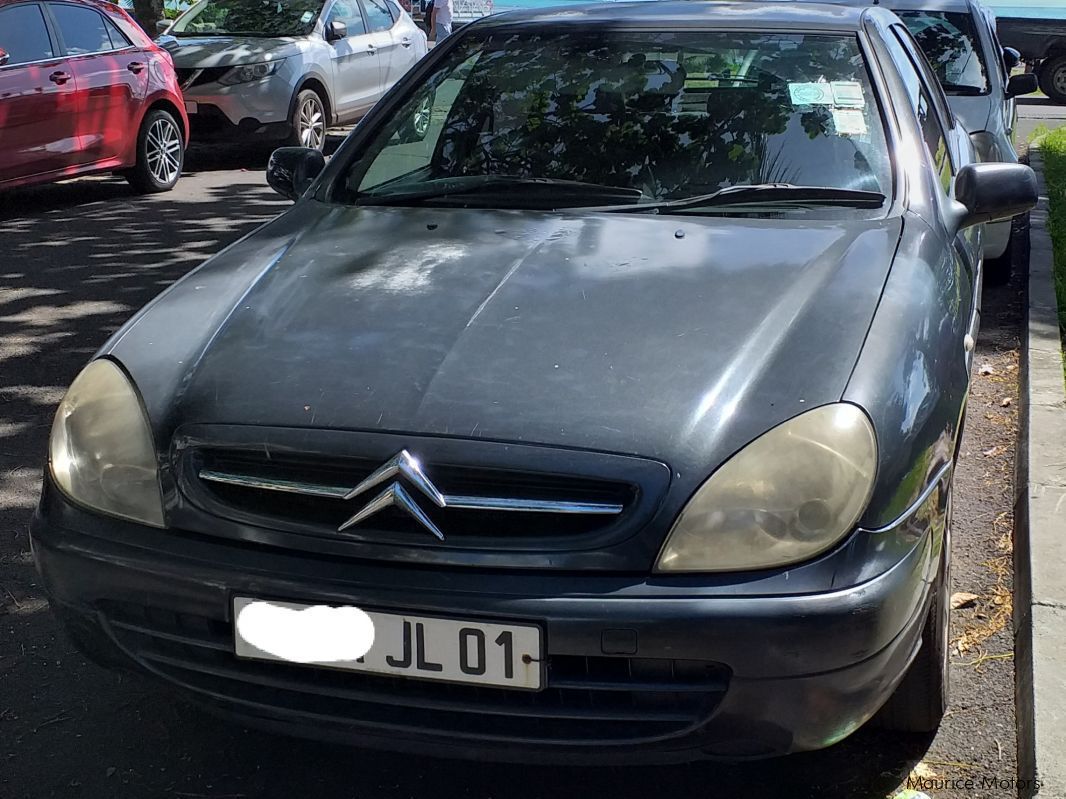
810 93
849 122
848 94
307 17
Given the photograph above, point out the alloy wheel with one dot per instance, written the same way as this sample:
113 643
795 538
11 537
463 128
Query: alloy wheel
163 151
1058 80
423 116
311 123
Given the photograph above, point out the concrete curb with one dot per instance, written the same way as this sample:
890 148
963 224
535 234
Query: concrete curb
1040 530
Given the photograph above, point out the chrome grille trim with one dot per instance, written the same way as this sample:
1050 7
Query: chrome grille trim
450 501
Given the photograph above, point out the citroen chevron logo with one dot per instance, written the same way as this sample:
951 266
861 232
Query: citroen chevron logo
395 495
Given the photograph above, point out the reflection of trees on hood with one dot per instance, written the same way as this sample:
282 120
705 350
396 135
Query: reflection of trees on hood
573 109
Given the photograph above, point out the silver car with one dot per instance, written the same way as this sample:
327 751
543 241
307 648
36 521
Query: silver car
286 70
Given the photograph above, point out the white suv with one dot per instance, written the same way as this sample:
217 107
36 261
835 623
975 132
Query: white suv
286 70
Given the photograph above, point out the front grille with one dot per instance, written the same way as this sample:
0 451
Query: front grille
325 514
189 78
587 701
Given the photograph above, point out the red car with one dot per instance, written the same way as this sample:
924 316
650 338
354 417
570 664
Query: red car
83 89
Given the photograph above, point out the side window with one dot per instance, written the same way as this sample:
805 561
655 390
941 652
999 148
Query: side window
378 15
348 12
117 37
82 29
925 109
24 35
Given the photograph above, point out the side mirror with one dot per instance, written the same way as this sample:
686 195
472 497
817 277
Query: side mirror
990 192
4 57
1011 58
335 31
162 25
291 170
1025 83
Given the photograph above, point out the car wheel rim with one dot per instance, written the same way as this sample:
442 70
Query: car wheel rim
311 123
1059 80
423 116
163 151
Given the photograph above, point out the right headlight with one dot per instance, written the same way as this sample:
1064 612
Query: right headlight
246 73
101 452
788 496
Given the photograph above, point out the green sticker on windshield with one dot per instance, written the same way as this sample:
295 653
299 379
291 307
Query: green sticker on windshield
810 93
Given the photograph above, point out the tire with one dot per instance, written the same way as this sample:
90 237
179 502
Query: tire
921 699
1052 78
998 270
308 121
160 154
416 128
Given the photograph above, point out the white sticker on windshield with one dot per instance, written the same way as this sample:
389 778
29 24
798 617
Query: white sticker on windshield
810 93
848 94
307 17
849 122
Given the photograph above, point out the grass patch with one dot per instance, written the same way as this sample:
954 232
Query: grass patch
1054 149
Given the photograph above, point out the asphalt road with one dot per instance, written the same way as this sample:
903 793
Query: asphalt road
75 261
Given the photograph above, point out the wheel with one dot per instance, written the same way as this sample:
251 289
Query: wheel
1052 78
416 128
308 121
920 700
160 154
998 270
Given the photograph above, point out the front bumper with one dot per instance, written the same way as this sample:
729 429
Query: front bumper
748 676
256 110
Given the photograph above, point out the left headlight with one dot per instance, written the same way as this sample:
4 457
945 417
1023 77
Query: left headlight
101 452
788 496
249 72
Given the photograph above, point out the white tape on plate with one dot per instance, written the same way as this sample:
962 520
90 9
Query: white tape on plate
318 634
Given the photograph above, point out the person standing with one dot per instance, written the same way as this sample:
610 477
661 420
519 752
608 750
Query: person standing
441 20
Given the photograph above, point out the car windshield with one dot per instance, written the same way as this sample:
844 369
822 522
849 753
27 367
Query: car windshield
622 116
949 40
268 18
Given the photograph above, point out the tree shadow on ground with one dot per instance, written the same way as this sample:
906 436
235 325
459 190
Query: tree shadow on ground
76 261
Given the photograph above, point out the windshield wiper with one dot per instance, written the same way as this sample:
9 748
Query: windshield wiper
762 194
450 187
963 89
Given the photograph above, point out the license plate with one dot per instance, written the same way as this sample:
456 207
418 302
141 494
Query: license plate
428 648
191 108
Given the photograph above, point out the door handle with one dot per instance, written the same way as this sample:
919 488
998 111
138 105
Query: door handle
405 41
59 78
371 49
136 67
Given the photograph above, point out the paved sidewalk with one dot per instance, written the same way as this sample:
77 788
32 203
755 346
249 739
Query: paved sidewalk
1040 551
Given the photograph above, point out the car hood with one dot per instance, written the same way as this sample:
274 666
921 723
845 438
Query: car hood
214 51
674 338
972 111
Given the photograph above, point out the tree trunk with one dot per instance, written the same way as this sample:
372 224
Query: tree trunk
148 13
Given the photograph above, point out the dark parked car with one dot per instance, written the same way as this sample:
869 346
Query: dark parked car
83 89
625 403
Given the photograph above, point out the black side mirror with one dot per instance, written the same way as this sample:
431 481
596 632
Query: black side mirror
1025 83
990 192
335 31
162 25
1011 58
291 170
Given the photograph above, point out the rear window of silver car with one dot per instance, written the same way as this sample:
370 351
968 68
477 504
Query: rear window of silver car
673 114
949 40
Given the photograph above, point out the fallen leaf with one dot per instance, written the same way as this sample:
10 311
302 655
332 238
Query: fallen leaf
986 369
961 599
993 452
1005 402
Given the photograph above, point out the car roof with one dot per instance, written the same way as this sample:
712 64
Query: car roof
899 5
698 13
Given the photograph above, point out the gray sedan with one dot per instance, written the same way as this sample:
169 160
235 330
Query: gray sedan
612 420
